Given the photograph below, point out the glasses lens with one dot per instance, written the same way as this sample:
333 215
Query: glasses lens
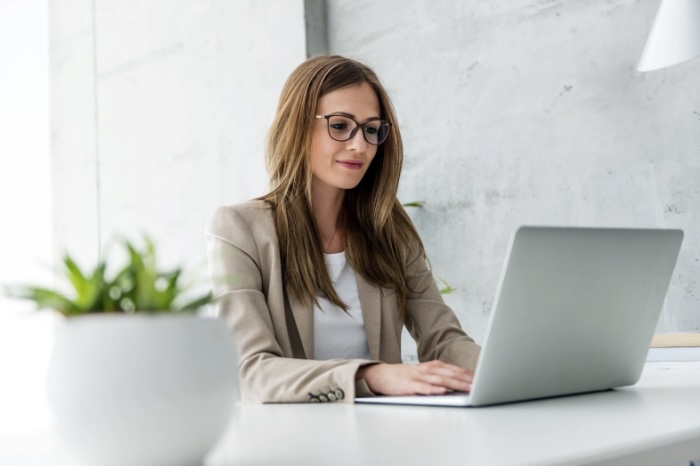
376 131
340 128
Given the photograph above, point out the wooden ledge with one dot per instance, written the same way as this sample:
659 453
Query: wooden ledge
675 340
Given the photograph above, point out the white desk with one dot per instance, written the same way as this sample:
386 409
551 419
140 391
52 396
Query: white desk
656 422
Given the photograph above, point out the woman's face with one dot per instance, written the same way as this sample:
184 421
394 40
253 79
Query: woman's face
341 165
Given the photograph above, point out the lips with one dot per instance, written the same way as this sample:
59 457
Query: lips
350 164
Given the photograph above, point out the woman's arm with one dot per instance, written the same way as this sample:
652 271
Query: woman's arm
431 323
448 356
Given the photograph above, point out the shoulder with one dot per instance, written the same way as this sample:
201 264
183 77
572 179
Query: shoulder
250 218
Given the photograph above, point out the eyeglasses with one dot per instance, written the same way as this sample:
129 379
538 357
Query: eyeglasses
343 128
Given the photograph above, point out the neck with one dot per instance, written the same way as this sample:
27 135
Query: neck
326 206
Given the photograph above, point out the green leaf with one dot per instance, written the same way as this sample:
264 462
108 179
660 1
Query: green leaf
48 299
90 297
143 269
446 289
74 274
199 302
166 295
414 204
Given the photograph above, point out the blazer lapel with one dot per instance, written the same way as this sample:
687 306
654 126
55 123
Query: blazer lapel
304 317
370 299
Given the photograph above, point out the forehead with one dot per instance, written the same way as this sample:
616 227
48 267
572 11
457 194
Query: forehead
358 100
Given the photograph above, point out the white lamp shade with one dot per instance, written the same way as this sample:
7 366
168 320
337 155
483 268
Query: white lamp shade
674 37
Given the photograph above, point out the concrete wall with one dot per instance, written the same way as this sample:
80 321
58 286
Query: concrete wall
531 112
160 111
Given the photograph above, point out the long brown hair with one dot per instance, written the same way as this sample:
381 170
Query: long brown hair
378 232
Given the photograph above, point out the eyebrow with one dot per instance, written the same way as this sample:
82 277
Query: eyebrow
354 117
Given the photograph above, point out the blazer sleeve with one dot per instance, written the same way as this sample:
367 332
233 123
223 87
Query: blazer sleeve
266 375
431 323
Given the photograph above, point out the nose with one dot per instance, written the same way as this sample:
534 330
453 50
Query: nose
357 142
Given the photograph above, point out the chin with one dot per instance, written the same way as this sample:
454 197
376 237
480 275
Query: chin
349 185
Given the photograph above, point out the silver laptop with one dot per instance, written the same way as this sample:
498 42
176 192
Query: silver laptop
575 312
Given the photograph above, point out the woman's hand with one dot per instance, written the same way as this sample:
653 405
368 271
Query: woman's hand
427 378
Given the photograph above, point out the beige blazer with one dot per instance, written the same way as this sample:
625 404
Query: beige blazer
274 331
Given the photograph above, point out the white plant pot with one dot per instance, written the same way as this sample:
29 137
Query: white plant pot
142 389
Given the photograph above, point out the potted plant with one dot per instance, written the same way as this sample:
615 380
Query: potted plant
136 377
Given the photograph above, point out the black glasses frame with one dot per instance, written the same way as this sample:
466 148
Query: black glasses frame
357 126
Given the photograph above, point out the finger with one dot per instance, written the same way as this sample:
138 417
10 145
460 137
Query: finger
440 374
440 377
454 372
436 363
420 388
447 382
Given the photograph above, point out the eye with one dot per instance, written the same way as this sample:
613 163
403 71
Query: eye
371 130
339 124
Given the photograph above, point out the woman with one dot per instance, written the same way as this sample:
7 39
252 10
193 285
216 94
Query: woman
322 273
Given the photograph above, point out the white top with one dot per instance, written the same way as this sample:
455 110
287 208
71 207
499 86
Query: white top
340 334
